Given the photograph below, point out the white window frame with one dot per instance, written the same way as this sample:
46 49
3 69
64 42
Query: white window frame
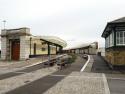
109 41
118 38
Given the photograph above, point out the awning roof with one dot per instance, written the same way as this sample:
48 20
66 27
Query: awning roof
82 46
52 39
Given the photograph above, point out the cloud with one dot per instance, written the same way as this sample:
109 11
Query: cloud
78 20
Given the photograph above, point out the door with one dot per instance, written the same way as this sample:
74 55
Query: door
34 48
15 53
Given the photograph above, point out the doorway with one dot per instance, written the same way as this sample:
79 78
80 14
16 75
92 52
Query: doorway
15 50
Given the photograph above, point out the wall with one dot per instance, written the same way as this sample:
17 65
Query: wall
116 57
24 47
39 47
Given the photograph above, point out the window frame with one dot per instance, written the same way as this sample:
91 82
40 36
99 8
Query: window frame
118 38
109 40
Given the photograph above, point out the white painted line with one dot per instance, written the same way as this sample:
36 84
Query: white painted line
19 72
107 91
115 78
77 76
83 68
34 64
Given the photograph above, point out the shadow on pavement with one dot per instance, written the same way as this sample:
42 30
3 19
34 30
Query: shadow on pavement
100 66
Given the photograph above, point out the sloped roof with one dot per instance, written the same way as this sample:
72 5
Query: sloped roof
109 25
120 20
53 39
82 46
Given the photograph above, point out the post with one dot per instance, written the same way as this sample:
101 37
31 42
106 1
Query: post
4 23
30 45
56 49
48 52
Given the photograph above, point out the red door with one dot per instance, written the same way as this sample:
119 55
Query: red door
15 55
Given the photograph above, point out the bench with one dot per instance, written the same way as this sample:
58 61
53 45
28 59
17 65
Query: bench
50 62
63 61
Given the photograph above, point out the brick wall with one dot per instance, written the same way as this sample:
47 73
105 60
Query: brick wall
116 57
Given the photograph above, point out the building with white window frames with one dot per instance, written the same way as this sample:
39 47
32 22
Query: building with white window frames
114 34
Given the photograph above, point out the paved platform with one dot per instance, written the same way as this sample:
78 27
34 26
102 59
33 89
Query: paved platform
14 82
81 83
37 80
10 66
50 80
115 78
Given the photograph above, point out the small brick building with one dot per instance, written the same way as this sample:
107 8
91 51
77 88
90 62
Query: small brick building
114 34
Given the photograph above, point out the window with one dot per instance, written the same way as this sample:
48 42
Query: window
43 43
43 49
117 38
120 38
111 44
109 41
124 38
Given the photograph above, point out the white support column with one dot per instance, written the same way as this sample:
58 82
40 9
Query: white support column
24 47
3 48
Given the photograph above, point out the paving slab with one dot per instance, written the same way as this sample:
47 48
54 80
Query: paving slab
21 80
81 83
10 66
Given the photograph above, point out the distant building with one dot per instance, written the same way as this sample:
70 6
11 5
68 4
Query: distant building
83 49
114 34
19 44
101 51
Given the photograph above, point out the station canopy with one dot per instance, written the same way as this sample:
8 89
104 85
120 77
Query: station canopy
82 46
52 39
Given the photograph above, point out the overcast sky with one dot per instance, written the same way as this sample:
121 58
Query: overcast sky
76 21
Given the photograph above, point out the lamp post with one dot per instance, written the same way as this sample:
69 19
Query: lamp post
4 24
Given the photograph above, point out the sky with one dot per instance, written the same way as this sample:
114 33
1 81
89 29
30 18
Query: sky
75 21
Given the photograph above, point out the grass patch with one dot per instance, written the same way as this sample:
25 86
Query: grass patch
72 58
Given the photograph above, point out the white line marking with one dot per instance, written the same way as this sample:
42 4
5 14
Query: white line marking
107 91
34 64
83 68
19 72
77 76
115 78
